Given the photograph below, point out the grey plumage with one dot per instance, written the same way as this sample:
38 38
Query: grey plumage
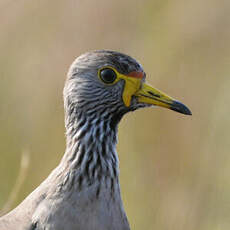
83 192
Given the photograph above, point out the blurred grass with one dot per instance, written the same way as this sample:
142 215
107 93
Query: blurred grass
174 169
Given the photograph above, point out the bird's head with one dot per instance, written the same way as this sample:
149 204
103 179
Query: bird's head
110 84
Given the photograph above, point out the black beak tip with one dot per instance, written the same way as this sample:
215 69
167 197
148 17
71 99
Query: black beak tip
180 108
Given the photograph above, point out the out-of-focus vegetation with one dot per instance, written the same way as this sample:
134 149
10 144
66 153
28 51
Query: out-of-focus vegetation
174 169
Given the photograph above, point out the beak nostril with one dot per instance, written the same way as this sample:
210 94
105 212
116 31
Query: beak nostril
153 94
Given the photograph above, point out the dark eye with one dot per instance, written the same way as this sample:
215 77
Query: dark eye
108 75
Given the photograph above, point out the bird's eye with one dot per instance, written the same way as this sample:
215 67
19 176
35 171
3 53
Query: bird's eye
108 75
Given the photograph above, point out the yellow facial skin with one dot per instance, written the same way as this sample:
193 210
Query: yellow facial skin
132 85
147 94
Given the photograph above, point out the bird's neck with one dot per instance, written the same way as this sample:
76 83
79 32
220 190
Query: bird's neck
91 151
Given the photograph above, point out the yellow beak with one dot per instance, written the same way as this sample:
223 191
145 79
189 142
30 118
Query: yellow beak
148 95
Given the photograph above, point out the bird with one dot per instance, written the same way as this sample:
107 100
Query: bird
83 191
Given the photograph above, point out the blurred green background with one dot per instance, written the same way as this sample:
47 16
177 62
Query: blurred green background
175 169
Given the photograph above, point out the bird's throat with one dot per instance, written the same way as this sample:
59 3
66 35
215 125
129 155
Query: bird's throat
91 152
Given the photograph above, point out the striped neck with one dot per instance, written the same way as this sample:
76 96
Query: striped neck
91 149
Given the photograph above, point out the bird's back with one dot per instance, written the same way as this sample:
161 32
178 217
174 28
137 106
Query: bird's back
50 207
